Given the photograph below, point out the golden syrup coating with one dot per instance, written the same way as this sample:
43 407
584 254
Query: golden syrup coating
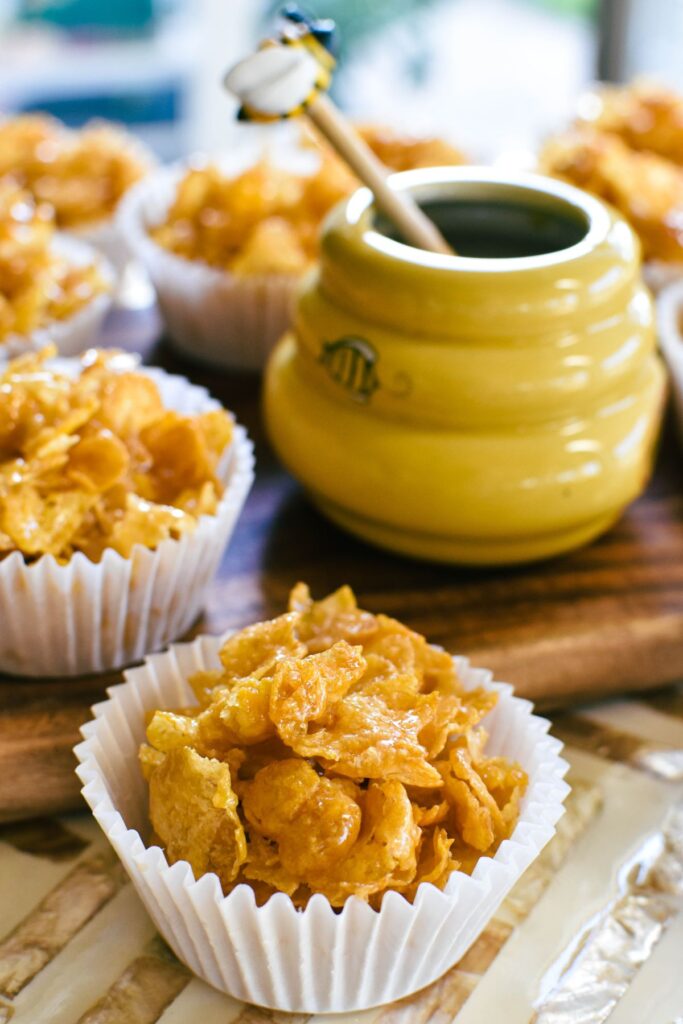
434 861
96 461
354 755
38 286
82 174
314 820
266 219
647 189
206 828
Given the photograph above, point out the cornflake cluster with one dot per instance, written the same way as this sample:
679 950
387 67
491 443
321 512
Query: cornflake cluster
266 220
96 461
333 752
37 284
81 174
645 115
627 148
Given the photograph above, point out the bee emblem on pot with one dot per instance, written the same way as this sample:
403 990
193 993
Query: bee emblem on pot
352 363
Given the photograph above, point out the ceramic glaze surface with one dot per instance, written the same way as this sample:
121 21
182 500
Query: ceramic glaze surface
472 410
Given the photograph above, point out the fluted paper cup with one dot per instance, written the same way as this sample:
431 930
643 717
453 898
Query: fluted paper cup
316 960
77 332
212 315
82 616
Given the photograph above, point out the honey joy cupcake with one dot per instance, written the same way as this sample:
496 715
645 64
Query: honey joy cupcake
626 147
320 812
119 490
52 287
226 248
82 174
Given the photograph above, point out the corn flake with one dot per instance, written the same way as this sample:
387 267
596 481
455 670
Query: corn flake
366 739
313 819
435 863
385 854
193 811
306 690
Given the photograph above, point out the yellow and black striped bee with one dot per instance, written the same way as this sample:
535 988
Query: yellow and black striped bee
352 363
318 36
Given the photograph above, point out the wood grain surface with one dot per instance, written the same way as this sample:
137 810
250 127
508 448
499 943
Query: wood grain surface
607 619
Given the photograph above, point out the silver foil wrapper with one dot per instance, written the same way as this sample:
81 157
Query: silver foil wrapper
624 936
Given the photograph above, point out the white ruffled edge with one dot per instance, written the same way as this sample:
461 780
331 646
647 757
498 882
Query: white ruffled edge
81 616
80 331
212 316
316 960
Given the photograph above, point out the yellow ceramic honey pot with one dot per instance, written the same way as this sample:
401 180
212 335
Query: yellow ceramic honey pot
493 407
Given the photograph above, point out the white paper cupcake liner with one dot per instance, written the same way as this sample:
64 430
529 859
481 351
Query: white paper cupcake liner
212 315
316 960
80 331
670 332
83 617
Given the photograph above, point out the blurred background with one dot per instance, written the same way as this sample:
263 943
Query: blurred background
492 76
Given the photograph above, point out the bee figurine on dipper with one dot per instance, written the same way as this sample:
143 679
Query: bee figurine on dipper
289 76
317 38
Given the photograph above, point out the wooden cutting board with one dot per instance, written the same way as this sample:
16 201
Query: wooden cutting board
607 619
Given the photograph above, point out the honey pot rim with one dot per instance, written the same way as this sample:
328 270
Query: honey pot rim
349 220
